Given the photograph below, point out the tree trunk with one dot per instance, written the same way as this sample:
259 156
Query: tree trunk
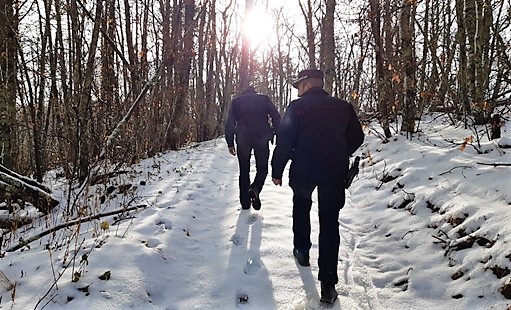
380 73
8 82
211 82
308 15
85 98
446 59
409 66
225 66
328 45
244 71
479 16
461 39
180 120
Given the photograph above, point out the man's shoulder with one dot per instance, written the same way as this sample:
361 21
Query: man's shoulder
263 96
322 104
252 96
324 98
340 101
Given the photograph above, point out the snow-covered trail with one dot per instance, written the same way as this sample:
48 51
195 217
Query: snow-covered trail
194 248
230 254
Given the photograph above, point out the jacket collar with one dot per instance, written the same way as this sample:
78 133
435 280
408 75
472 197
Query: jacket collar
315 90
249 92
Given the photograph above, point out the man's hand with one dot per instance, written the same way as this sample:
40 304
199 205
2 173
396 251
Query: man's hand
232 150
277 182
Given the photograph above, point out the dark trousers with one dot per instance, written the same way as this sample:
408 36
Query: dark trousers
261 153
331 199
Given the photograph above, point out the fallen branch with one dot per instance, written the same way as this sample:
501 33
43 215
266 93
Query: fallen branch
453 169
495 164
377 133
439 239
23 243
29 181
19 187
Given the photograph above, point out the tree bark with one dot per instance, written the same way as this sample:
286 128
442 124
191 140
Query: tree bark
461 38
180 121
8 82
328 45
380 73
409 66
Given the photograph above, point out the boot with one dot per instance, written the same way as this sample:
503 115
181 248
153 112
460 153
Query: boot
254 198
328 293
303 259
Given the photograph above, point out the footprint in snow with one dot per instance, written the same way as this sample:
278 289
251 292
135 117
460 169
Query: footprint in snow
237 240
401 283
151 242
252 219
164 224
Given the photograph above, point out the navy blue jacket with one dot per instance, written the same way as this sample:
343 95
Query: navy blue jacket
318 133
248 119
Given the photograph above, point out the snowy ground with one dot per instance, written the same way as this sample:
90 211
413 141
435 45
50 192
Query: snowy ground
425 226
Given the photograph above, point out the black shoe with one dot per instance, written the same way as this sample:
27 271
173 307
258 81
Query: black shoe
254 198
303 259
328 293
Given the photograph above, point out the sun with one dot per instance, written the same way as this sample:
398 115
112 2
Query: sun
258 28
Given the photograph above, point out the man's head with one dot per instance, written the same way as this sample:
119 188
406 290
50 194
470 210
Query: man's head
307 79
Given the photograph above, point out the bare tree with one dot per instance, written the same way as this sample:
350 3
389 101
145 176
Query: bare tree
474 19
8 81
327 53
225 64
308 15
408 65
382 82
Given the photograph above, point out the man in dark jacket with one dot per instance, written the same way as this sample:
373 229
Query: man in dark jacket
318 133
253 119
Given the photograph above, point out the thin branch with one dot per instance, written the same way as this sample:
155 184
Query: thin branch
449 171
495 164
71 223
105 35
126 117
439 239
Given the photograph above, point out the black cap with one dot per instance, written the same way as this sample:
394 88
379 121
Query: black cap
308 74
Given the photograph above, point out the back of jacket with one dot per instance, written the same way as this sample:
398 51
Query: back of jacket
319 133
248 119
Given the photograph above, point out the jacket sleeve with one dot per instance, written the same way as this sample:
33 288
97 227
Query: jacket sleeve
354 132
274 114
286 135
230 126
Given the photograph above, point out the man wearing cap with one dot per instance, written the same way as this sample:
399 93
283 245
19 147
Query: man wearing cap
318 133
253 119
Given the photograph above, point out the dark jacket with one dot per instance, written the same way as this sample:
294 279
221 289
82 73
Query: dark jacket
318 133
248 119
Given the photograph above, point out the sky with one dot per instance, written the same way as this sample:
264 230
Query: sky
425 226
